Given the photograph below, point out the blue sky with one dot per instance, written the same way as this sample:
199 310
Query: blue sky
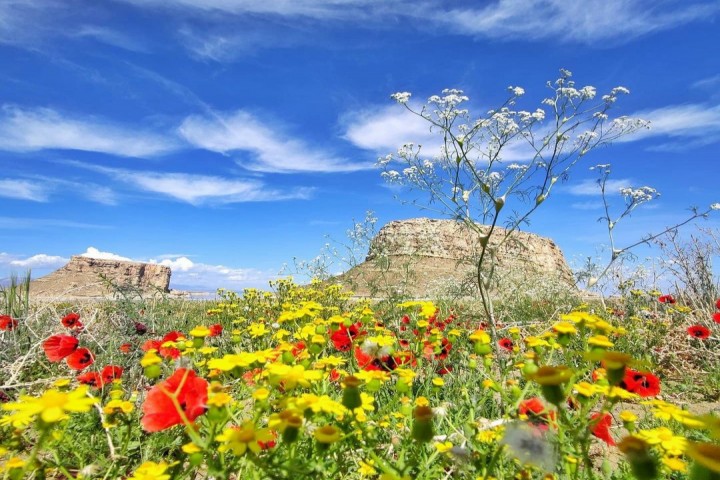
225 137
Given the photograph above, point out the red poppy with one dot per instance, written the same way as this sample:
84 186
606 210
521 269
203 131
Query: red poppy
405 320
58 347
171 352
80 359
445 370
125 348
151 345
536 412
644 384
72 320
7 322
600 424
180 398
716 317
343 337
669 299
110 373
698 331
215 330
94 379
369 362
140 328
506 343
334 375
717 304
441 352
297 348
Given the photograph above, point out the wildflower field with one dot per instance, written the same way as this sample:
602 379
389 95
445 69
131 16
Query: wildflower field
306 382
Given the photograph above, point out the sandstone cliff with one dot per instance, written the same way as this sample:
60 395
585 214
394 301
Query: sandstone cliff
424 257
84 277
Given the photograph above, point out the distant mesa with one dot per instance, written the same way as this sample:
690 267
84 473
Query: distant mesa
423 258
86 277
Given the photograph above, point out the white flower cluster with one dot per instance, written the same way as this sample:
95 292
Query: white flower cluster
527 117
639 195
401 97
715 206
451 98
612 96
517 91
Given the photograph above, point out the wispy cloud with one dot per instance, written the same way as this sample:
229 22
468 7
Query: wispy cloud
590 187
32 129
110 37
25 223
570 21
271 149
38 188
709 82
700 124
200 189
23 190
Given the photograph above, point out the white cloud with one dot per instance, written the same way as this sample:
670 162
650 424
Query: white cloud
272 151
24 223
40 260
93 252
385 129
568 20
318 9
33 129
592 205
696 124
205 189
23 190
590 187
110 37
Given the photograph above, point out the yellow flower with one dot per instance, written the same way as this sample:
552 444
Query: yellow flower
327 434
191 448
292 375
219 399
257 330
239 439
480 336
443 447
421 402
150 358
151 471
438 382
53 406
331 361
232 360
600 341
628 416
675 464
665 439
564 327
118 406
706 454
585 389
366 468
261 394
533 342
13 462
201 331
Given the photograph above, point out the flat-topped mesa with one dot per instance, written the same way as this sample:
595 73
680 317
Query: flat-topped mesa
91 277
421 256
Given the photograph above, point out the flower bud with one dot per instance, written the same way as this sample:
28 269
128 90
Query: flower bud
351 394
422 428
641 460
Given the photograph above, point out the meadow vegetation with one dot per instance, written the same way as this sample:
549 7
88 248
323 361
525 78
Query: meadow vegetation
305 381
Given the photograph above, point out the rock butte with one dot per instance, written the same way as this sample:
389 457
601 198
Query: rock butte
83 277
422 257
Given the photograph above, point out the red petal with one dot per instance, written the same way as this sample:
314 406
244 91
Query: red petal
58 347
80 359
